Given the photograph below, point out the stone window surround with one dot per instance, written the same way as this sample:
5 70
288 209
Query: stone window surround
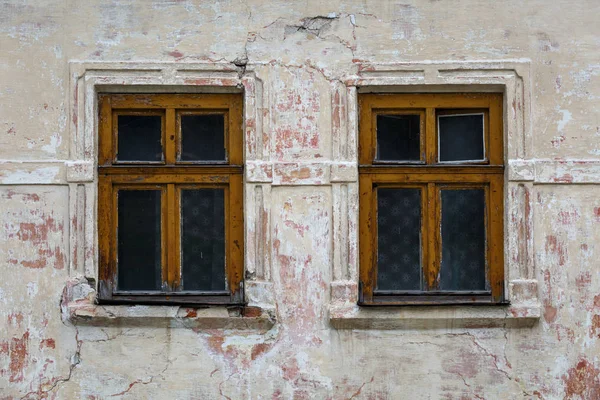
510 77
87 80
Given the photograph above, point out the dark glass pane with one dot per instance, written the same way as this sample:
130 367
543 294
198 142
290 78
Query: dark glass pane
139 138
203 239
463 240
398 239
461 137
398 138
139 244
202 138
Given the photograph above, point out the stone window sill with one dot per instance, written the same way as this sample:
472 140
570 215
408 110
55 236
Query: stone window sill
78 306
427 317
524 311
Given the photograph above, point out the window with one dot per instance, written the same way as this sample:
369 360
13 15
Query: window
170 209
431 199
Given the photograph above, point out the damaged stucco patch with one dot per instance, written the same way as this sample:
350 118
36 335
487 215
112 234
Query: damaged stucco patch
33 242
35 229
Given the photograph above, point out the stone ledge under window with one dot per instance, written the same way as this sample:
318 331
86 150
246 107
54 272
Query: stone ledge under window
434 317
524 311
78 307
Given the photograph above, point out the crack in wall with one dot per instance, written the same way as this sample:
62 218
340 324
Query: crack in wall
75 361
221 386
464 380
358 392
312 25
146 381
495 359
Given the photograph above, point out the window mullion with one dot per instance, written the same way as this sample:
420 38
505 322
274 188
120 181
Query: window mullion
430 136
170 136
433 237
425 238
171 215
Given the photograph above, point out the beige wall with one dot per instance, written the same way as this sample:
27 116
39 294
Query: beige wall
298 64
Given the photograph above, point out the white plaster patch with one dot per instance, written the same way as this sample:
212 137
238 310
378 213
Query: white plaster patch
52 147
566 118
20 176
246 340
30 31
405 23
582 82
58 51
32 289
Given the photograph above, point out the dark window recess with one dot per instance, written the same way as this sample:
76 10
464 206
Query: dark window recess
203 239
203 138
139 138
399 239
398 138
463 240
139 240
461 137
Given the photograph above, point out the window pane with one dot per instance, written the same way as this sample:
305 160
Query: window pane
139 244
202 138
139 138
398 138
461 137
463 240
203 239
398 239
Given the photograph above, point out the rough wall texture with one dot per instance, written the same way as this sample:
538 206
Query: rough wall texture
300 50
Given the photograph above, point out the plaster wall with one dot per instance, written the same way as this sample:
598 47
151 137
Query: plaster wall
298 65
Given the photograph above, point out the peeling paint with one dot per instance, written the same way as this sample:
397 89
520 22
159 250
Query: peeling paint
583 380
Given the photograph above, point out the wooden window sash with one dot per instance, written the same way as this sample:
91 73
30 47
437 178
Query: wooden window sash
170 176
178 129
486 134
373 138
432 176
114 138
424 225
143 104
170 234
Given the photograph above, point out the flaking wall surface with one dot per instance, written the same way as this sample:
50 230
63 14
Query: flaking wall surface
299 50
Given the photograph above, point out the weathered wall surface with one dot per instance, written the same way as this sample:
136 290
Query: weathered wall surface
299 51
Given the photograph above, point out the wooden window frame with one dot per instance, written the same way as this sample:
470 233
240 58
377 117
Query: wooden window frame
170 176
430 176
